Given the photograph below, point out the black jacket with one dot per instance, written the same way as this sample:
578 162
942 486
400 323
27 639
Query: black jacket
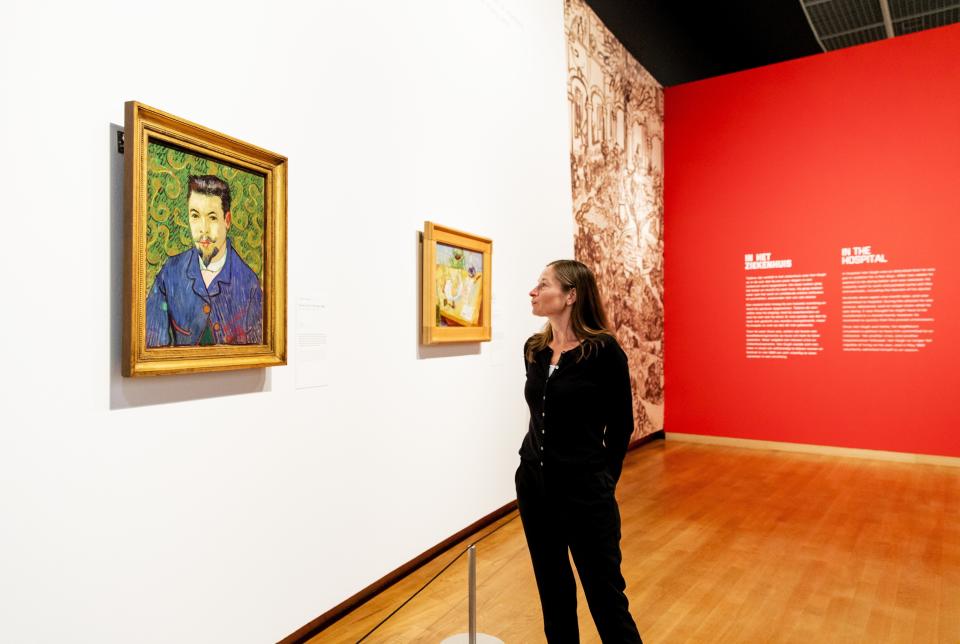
581 417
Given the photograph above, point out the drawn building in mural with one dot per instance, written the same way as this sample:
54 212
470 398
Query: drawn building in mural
616 170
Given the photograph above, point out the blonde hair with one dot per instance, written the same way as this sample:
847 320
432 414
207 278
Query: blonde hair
588 317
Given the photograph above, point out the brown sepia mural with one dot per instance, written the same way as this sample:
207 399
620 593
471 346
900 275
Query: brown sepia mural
616 170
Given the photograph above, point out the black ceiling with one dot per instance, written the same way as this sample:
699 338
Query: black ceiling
680 41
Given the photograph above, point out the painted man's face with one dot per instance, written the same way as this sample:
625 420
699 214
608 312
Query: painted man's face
208 226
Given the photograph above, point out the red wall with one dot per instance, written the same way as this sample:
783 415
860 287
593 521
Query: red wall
855 147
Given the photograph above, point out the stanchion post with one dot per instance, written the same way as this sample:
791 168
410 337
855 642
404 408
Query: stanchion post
471 635
472 591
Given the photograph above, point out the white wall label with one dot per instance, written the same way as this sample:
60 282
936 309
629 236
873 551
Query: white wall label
311 366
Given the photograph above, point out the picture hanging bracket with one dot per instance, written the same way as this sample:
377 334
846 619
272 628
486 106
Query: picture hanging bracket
120 141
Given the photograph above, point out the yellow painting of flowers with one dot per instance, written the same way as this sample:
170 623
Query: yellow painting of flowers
459 286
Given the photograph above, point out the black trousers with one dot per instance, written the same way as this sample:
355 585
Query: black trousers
575 510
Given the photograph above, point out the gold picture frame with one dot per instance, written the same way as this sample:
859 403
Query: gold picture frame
205 279
456 289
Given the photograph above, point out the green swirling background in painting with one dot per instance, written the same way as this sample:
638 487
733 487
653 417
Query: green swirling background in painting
168 231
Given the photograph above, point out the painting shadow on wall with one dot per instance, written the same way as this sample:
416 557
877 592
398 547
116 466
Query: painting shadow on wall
144 392
428 352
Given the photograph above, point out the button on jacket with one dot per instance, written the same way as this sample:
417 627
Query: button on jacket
581 417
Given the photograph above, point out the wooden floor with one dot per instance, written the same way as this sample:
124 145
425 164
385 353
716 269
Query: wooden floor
725 544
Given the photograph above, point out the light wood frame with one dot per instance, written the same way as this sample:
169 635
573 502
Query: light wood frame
145 124
432 332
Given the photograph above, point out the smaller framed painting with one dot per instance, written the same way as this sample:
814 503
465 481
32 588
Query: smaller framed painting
205 263
456 286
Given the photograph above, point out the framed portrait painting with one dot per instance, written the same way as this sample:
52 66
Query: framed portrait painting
205 260
456 289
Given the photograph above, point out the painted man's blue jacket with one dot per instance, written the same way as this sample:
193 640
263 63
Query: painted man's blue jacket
182 311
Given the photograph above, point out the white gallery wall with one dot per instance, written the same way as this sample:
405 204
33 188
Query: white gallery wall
236 507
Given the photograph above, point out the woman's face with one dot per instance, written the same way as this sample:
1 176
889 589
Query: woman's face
548 297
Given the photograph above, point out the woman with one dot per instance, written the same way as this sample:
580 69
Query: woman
581 418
